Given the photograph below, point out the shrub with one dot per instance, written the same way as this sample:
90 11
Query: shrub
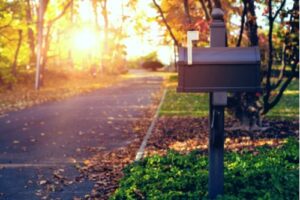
7 79
269 173
152 65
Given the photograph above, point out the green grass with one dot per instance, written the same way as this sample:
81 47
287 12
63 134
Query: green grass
294 85
184 104
173 78
196 104
269 173
288 107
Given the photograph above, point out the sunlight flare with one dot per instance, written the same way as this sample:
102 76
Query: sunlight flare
85 39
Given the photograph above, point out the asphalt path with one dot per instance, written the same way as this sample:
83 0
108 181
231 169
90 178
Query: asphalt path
50 138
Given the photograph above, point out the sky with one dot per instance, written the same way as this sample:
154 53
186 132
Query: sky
136 44
150 40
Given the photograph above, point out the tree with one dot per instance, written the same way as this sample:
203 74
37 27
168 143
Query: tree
290 53
247 107
30 32
11 37
44 41
104 13
179 16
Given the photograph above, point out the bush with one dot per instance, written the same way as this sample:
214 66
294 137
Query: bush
266 174
152 65
7 79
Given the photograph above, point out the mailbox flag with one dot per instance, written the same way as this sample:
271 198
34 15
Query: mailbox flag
191 35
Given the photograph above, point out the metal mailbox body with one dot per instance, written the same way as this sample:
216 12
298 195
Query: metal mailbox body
219 69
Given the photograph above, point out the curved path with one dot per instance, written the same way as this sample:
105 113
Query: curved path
38 141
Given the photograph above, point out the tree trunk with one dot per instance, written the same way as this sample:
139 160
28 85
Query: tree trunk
31 38
187 11
45 54
217 4
207 13
14 65
290 54
40 25
106 24
45 41
242 23
251 24
245 105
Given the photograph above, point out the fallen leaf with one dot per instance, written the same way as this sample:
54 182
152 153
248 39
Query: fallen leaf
86 162
43 182
32 140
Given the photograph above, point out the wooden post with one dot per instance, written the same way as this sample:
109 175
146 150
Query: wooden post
217 102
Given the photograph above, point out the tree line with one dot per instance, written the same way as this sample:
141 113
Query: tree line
37 33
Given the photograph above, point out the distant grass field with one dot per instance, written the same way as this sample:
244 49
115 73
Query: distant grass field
196 104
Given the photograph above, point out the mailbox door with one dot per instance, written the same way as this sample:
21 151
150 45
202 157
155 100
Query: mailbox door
220 69
210 78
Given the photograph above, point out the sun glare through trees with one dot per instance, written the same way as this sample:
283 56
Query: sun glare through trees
149 99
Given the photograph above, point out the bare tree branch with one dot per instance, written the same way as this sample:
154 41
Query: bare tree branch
282 70
242 24
279 9
6 25
290 57
14 65
62 12
270 61
165 22
281 91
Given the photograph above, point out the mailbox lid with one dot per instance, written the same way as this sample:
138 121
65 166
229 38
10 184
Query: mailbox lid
221 55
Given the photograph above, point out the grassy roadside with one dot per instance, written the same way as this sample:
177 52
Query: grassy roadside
196 105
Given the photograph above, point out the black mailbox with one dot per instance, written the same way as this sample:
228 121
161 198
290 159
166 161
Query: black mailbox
219 69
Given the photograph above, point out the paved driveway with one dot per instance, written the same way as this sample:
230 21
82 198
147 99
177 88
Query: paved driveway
36 142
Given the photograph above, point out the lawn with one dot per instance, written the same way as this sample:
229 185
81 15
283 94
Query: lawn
196 105
184 104
288 107
265 167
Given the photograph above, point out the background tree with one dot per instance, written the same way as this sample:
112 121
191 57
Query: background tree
289 57
30 32
11 37
47 26
245 105
279 64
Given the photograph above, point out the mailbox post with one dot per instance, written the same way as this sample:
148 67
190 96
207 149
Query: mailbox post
218 70
217 101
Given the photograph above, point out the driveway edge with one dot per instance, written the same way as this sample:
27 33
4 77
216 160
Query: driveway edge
140 152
